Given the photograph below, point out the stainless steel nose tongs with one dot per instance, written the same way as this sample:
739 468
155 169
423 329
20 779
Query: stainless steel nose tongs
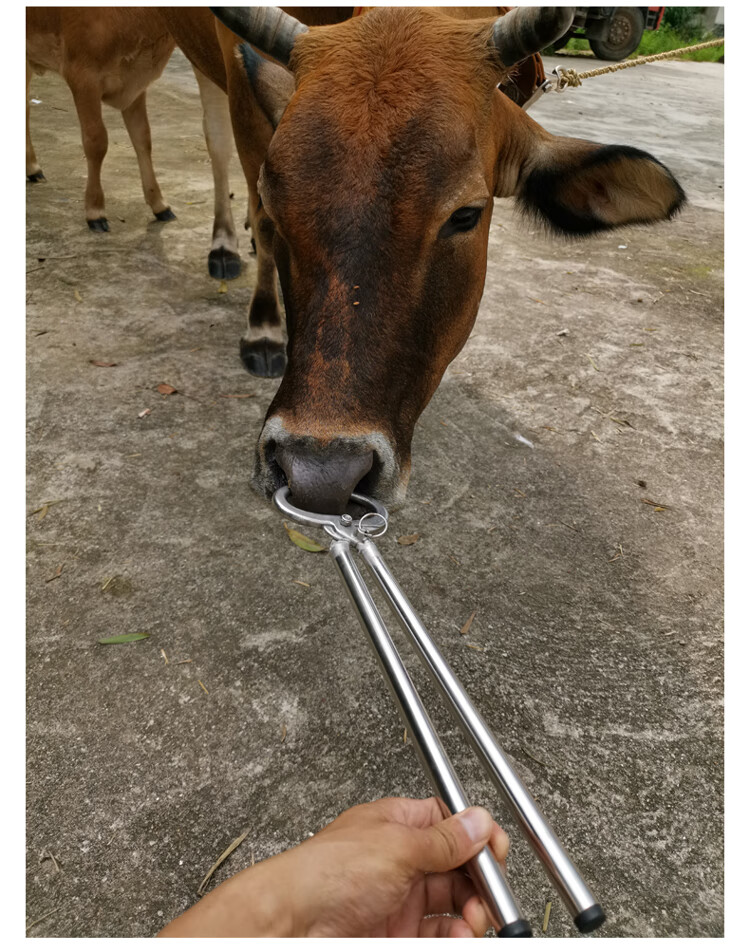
350 534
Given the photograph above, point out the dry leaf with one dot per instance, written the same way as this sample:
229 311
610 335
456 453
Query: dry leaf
57 909
103 364
77 294
166 389
304 584
532 756
545 921
232 847
43 509
203 688
660 507
593 363
302 541
465 628
237 395
283 733
57 573
408 539
145 413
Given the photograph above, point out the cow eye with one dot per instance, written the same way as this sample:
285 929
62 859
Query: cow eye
461 221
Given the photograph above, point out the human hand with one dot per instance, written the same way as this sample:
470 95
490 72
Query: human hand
387 868
390 867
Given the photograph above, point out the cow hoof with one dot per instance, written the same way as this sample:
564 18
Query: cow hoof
99 225
165 215
224 264
263 358
36 177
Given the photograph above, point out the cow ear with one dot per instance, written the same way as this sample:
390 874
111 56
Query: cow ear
272 84
578 187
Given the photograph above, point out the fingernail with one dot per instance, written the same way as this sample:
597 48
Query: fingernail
476 823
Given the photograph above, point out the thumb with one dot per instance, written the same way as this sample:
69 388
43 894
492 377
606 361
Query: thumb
451 843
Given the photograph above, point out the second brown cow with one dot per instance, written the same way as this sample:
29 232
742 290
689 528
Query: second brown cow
106 55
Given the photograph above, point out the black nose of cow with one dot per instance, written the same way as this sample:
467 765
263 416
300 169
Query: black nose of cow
323 480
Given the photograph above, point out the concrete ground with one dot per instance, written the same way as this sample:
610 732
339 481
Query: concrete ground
567 488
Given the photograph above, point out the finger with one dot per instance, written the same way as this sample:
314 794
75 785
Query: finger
445 926
499 843
476 915
414 908
454 892
450 843
447 892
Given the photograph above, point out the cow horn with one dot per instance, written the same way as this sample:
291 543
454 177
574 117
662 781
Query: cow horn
267 28
527 30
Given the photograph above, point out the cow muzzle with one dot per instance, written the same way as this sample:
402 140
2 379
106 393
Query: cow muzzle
323 480
323 474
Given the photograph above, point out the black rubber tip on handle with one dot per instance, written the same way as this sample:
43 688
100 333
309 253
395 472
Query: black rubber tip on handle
590 919
516 928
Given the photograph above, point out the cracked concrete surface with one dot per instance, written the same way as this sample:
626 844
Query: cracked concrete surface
596 651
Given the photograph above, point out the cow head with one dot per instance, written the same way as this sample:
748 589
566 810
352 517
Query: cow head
391 142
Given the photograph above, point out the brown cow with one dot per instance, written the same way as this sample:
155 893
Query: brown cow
391 141
230 110
105 54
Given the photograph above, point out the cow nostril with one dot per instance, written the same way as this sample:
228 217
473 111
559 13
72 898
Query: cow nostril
276 472
368 484
323 480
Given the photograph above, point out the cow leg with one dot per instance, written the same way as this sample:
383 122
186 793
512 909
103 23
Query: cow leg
249 226
33 171
87 98
224 258
135 117
263 347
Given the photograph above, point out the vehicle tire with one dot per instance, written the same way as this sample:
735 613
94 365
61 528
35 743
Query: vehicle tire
625 32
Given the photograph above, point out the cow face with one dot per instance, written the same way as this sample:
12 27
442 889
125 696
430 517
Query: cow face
378 189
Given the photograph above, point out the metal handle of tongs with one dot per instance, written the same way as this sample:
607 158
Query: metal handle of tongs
485 871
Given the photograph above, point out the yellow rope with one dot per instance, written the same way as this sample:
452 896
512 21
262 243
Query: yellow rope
571 78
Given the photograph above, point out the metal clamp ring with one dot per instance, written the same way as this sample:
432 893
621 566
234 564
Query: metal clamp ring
283 502
370 533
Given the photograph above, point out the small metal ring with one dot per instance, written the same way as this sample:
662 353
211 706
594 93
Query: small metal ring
367 532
